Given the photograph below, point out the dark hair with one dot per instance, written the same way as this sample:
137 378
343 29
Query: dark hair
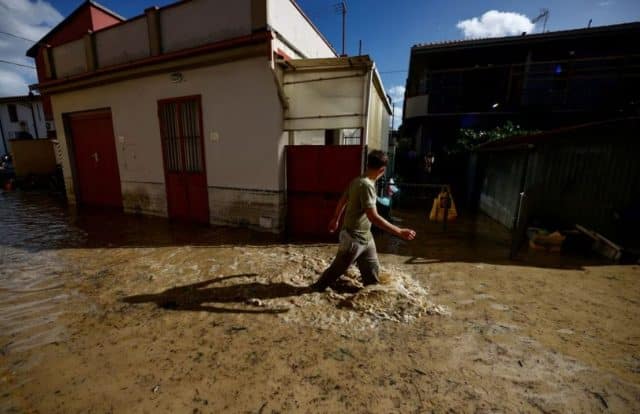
377 159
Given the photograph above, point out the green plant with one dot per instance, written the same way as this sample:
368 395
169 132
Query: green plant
468 139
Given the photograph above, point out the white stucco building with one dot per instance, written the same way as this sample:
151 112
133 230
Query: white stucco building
185 111
16 111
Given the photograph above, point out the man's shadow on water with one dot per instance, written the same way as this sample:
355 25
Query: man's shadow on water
197 296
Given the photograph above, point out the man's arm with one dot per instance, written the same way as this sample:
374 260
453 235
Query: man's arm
375 218
335 221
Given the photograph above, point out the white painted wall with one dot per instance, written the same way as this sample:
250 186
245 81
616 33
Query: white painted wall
313 137
378 121
239 103
199 22
122 43
24 114
285 18
196 23
339 94
280 46
384 128
69 58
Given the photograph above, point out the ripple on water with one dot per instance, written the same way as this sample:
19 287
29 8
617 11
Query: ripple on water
33 279
33 295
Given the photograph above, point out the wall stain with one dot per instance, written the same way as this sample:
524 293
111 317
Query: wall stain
137 201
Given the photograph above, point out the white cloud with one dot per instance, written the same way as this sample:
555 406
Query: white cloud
12 82
30 20
397 97
495 23
396 93
606 3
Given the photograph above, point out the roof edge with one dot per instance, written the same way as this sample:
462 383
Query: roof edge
106 10
20 98
33 50
486 41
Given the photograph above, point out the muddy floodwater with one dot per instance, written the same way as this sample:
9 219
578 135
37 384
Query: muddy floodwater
107 313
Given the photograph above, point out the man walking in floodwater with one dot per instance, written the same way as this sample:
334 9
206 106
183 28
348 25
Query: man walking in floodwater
356 241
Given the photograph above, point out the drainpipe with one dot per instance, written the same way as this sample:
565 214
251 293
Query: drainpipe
280 89
4 141
515 242
365 114
35 126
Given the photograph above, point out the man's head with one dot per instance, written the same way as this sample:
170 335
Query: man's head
377 162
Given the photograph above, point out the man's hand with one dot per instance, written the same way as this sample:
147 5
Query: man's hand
335 220
333 224
375 218
407 234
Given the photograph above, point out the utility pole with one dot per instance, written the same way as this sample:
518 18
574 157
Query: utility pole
4 141
342 8
393 113
35 126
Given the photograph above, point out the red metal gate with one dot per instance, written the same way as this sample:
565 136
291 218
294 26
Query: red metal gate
316 178
96 162
183 154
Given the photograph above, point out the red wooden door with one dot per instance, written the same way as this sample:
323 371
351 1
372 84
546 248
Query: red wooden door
96 162
183 153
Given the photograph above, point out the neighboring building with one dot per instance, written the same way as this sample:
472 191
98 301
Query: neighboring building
20 114
89 16
540 81
586 174
185 111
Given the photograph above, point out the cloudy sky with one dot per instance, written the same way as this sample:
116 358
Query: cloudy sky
387 29
30 20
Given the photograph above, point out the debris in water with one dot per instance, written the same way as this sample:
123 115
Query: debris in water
438 310
255 302
156 389
236 329
340 354
601 398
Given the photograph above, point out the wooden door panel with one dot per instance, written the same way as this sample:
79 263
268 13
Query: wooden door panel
177 203
96 160
198 198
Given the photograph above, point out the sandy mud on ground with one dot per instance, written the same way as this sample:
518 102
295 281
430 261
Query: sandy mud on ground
113 314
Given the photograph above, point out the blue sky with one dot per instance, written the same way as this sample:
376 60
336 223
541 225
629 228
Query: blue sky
387 29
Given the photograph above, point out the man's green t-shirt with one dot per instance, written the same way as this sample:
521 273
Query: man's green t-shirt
361 194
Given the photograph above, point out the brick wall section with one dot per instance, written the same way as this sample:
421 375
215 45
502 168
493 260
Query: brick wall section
257 209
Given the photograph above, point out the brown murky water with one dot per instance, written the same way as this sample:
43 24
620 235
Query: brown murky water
102 312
